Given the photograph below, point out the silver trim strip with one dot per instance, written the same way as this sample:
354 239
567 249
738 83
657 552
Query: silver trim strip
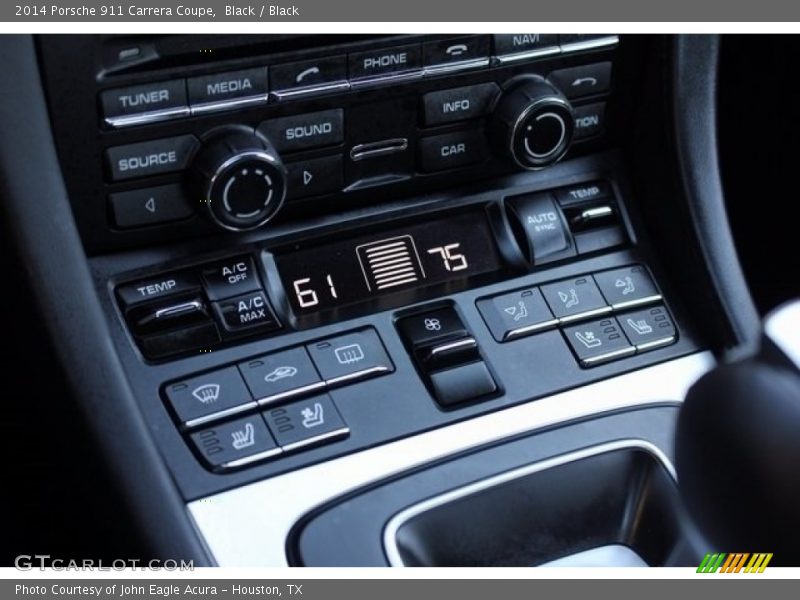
782 326
311 90
398 520
323 437
474 63
246 460
381 148
529 329
358 375
207 107
590 214
637 302
665 341
389 78
153 116
290 394
611 40
177 309
585 315
601 358
234 410
249 525
466 342
538 53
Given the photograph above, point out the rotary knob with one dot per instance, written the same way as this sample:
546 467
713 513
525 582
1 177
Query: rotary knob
532 124
241 179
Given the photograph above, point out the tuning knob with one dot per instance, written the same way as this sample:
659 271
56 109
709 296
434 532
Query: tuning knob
241 179
532 124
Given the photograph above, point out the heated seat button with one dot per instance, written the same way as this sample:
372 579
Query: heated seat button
452 150
459 104
149 206
349 357
207 90
547 236
122 106
516 314
648 328
431 327
246 313
314 177
280 375
306 423
153 157
574 299
231 277
585 80
236 443
598 341
384 62
310 130
207 397
627 287
461 384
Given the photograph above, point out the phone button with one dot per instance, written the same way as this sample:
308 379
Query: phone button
309 76
452 53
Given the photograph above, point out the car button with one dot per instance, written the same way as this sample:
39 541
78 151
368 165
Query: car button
314 177
574 299
233 88
585 80
156 288
245 313
285 374
627 287
236 443
648 328
459 104
149 206
546 232
516 314
598 341
231 277
451 150
454 53
310 130
351 356
153 157
431 327
517 46
385 63
208 397
302 77
306 423
144 103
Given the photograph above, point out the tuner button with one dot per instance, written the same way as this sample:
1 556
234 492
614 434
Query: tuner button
532 124
241 179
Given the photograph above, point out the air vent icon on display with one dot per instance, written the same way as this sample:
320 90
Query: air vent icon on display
207 393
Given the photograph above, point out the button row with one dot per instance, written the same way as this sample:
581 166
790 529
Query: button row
269 434
136 105
525 312
278 377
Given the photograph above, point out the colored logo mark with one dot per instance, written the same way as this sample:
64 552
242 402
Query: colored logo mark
735 562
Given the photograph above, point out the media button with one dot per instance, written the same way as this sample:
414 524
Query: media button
234 88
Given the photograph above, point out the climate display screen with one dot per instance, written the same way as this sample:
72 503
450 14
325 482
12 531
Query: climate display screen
340 273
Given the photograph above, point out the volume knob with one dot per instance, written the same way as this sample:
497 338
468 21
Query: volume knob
241 179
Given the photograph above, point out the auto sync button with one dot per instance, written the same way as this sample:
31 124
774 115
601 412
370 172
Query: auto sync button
598 341
144 103
574 299
627 287
153 157
208 397
234 88
149 206
306 423
236 443
231 277
350 357
452 150
459 104
310 130
547 236
516 314
274 377
385 63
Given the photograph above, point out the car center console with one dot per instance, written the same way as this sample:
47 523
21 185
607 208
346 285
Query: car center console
309 248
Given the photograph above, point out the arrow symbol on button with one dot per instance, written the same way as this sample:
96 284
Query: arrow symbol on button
307 177
151 205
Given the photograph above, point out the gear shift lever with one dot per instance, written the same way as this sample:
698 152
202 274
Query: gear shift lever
738 447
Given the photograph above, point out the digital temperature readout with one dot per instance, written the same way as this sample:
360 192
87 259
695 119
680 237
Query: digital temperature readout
341 273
